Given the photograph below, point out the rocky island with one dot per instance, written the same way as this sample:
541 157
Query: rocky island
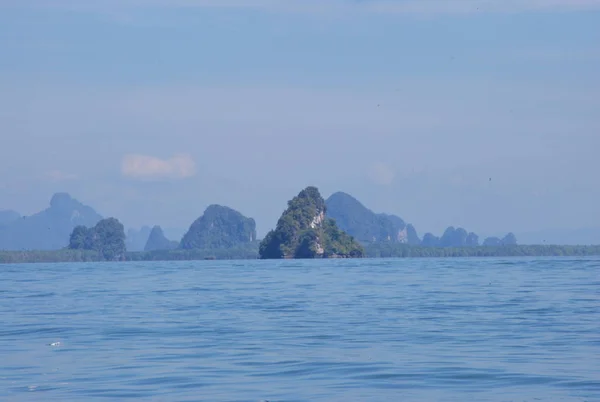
107 239
305 231
218 228
339 227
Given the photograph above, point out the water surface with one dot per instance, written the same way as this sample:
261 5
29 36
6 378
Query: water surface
338 330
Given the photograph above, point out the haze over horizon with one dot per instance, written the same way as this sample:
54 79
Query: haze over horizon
475 114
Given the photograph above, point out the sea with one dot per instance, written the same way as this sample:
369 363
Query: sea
489 329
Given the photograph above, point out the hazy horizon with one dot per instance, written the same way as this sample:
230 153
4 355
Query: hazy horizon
579 236
470 114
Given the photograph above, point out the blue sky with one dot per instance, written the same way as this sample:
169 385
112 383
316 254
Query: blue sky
151 110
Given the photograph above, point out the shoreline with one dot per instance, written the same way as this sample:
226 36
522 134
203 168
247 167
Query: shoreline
373 251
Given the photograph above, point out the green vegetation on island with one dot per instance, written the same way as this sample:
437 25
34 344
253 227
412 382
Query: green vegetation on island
389 250
247 251
220 233
219 227
107 238
250 252
310 227
49 256
304 231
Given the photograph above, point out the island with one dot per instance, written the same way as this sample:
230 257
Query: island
310 227
305 231
107 239
220 232
219 227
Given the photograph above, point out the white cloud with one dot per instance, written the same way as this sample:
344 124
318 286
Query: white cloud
138 166
319 6
382 174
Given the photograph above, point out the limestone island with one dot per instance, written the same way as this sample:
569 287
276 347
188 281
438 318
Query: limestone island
305 231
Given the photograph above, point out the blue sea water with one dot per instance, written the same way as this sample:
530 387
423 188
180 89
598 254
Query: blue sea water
334 330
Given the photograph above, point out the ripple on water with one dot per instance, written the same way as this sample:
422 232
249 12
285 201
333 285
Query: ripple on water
340 330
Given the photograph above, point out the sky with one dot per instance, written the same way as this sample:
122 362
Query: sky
480 114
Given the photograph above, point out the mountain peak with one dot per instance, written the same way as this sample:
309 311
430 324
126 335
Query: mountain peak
61 200
158 241
49 229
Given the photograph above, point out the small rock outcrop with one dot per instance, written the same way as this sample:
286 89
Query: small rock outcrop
304 231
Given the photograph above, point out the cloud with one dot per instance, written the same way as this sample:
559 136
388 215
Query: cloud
58 175
325 6
382 174
138 166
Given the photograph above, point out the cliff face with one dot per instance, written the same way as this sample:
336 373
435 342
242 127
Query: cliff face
367 226
304 231
219 227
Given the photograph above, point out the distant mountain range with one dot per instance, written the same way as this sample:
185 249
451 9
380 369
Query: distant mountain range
47 230
221 227
365 225
369 227
158 241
